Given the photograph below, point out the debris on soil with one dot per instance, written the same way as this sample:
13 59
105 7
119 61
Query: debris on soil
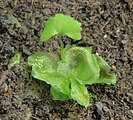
3 77
101 108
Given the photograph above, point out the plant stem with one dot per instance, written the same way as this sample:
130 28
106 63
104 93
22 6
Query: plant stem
61 44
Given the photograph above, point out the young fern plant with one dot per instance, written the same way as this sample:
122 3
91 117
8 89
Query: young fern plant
76 68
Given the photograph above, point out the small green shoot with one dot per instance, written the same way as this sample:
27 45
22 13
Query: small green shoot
61 25
14 60
76 68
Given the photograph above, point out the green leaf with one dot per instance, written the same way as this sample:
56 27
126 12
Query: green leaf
104 77
57 95
102 63
79 93
14 60
61 25
79 63
44 68
43 60
69 75
55 79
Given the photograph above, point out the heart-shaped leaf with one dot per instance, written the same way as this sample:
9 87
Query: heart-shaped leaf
61 25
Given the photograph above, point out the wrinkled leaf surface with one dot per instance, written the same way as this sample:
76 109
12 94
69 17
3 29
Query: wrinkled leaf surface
69 75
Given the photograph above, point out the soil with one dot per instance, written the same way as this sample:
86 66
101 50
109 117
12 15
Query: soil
107 27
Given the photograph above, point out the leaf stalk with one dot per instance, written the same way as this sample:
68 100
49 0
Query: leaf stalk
61 44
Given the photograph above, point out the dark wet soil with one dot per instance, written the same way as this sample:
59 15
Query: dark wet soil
107 27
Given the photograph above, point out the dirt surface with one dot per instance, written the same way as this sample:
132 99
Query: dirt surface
107 27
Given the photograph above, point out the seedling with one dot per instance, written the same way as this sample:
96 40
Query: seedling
76 67
14 60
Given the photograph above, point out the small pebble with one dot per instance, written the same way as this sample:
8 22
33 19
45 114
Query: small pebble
105 36
113 67
5 90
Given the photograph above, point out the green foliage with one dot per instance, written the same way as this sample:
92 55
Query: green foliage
15 60
76 68
69 75
61 25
